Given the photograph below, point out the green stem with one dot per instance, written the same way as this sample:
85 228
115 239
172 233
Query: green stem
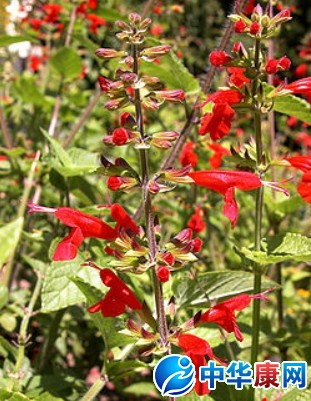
95 389
22 337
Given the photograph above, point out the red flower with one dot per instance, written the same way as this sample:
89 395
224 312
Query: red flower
304 188
301 70
219 152
249 7
218 58
304 138
284 63
163 273
240 26
225 182
120 136
187 155
196 222
301 87
237 77
156 30
35 63
36 23
196 348
271 66
52 12
303 163
254 28
84 226
224 313
217 123
95 22
117 298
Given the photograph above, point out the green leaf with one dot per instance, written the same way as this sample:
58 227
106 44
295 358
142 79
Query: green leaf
119 369
107 326
12 396
110 14
215 285
172 72
73 163
6 40
4 294
279 248
7 349
67 62
141 389
7 321
59 291
9 236
28 91
291 106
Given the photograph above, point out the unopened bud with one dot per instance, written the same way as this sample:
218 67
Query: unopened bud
132 326
145 24
163 273
265 21
115 183
135 18
108 54
155 51
123 26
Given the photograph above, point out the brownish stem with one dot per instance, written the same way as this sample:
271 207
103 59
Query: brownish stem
147 205
84 116
5 130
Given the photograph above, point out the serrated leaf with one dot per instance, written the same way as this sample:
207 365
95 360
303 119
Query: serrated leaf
215 285
279 248
9 236
59 291
67 62
74 163
291 105
106 325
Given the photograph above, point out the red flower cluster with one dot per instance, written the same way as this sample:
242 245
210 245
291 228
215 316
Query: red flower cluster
121 136
84 226
219 58
273 65
95 22
117 298
219 152
52 12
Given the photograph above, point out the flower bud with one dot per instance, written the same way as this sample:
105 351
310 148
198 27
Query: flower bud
120 136
127 120
169 258
145 24
239 48
176 95
135 18
271 66
153 187
284 63
178 175
254 28
240 26
118 103
184 236
115 183
163 273
155 51
196 245
129 61
108 54
104 83
132 326
128 78
123 26
265 21
163 140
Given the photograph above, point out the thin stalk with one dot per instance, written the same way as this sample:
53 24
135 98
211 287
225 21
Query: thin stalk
259 209
5 130
29 182
147 204
23 337
95 389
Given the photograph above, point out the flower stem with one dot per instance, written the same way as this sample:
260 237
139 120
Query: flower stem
147 203
259 208
23 337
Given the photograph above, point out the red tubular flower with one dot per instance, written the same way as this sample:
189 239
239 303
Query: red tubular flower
217 123
196 222
188 156
197 348
219 152
95 22
249 7
218 58
301 87
224 313
271 66
117 298
122 218
82 226
304 187
114 183
303 163
225 182
176 95
284 63
301 70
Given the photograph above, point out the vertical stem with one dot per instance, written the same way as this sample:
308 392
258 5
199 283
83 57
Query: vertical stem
22 337
259 208
4 127
147 203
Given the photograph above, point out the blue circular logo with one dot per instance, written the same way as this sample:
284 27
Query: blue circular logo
174 375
